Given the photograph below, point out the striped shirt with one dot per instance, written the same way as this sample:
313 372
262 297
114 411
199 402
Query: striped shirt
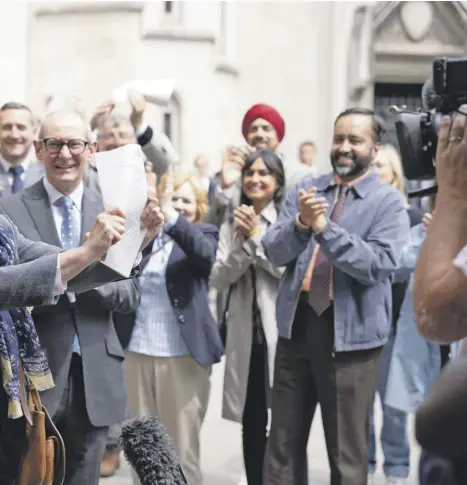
157 331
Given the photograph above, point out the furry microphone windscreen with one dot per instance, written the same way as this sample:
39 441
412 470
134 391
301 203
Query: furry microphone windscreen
150 452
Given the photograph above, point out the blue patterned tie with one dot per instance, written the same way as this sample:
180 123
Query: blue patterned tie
18 184
319 297
70 237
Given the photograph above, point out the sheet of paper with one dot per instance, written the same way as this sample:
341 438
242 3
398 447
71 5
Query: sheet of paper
122 178
158 91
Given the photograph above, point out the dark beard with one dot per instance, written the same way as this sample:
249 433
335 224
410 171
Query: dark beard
358 167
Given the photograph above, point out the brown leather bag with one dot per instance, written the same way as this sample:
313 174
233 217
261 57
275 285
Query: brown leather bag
43 462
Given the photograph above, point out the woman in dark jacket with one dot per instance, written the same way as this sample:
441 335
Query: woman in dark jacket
175 339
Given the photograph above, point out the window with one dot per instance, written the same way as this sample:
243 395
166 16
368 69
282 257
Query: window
227 31
168 125
171 123
386 95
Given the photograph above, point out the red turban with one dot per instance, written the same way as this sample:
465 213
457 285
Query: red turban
267 113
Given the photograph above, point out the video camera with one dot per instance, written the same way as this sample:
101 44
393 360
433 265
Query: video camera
417 132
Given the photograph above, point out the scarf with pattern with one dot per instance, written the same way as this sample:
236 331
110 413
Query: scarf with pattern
19 342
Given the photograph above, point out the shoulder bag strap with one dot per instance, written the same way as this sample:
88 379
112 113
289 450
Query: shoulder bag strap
258 332
223 321
22 393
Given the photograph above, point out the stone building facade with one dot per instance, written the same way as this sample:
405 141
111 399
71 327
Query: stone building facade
308 59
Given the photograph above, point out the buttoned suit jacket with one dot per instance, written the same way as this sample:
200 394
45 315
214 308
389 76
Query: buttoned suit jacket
90 316
187 281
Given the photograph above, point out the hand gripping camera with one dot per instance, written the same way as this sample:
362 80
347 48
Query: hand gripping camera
417 132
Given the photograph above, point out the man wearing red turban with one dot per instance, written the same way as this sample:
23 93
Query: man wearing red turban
263 125
263 128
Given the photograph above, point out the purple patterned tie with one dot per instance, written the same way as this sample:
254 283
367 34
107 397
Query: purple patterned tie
319 296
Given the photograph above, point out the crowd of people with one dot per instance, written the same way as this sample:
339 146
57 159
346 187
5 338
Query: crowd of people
313 276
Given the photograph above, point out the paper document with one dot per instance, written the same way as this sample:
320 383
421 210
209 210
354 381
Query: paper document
158 91
123 182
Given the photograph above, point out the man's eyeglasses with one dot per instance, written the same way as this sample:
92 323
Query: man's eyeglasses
54 145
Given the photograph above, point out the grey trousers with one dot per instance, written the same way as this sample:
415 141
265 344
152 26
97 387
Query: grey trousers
113 438
84 443
308 372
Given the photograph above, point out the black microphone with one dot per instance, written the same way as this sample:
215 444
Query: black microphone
150 452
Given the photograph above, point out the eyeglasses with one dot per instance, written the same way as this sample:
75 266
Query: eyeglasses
54 145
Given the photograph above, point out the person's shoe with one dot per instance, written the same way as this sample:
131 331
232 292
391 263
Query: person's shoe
110 463
396 481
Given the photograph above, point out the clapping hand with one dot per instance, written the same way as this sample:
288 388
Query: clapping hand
312 209
246 219
233 161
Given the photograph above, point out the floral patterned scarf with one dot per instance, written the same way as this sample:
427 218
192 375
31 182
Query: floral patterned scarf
19 342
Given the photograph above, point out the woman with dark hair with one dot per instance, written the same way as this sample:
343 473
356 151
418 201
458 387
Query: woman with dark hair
252 283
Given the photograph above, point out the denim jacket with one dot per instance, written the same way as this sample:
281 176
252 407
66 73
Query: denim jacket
363 248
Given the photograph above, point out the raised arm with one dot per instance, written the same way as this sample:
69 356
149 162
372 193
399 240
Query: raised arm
199 245
158 150
120 296
440 288
43 271
34 280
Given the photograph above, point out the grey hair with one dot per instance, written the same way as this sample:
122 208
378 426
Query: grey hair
52 116
114 120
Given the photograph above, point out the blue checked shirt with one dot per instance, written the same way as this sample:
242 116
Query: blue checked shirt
157 331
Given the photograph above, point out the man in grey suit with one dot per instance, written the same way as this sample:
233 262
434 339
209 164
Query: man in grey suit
41 274
83 350
18 165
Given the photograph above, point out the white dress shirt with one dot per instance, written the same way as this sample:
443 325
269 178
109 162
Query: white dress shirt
77 198
157 331
54 195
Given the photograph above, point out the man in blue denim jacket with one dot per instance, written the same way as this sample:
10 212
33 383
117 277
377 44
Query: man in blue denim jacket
339 236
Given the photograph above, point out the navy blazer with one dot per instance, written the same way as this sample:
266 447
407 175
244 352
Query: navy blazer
187 280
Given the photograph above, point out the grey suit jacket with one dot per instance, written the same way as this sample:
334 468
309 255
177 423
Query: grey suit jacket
33 174
90 315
